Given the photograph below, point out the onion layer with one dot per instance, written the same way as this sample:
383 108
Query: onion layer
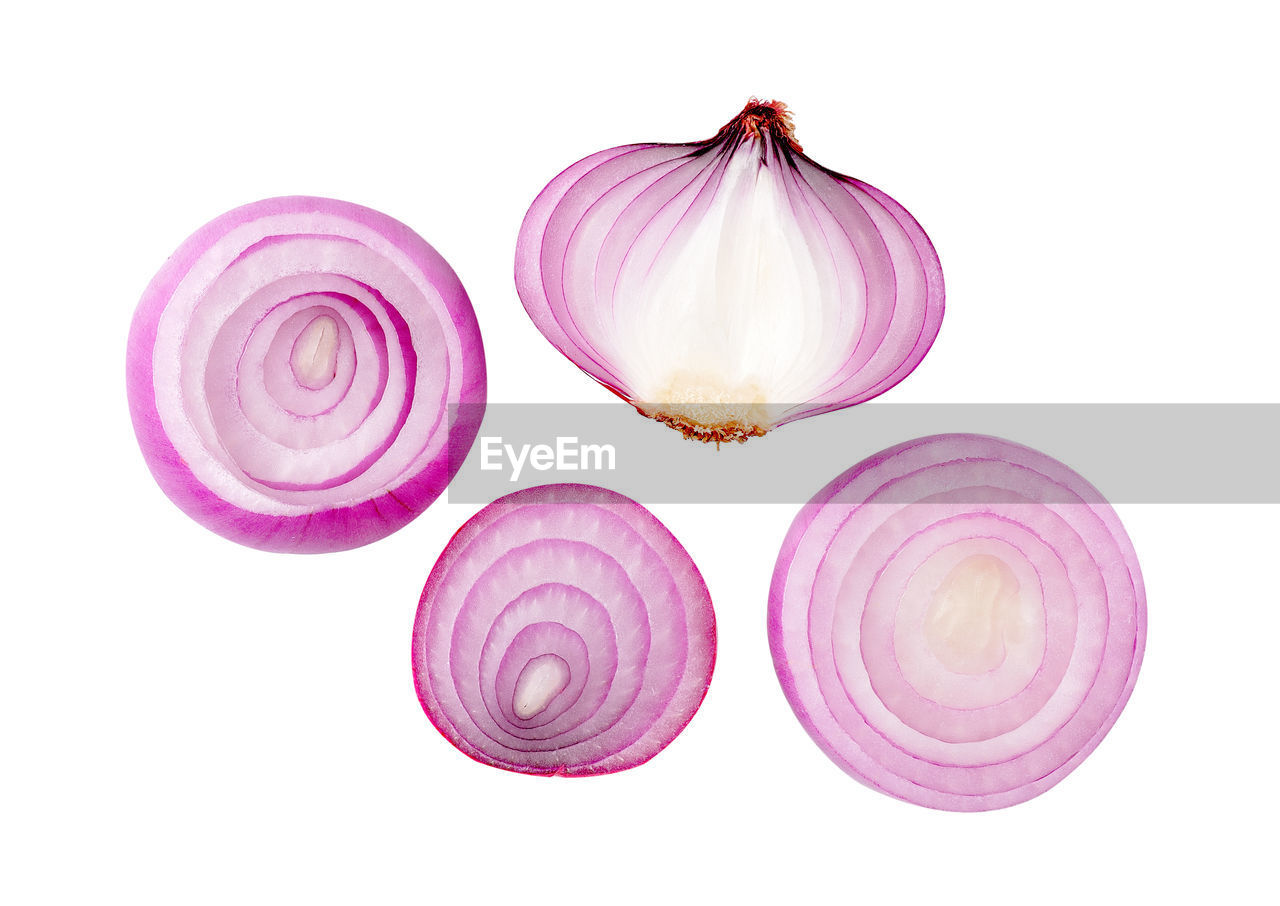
290 371
958 621
563 631
732 285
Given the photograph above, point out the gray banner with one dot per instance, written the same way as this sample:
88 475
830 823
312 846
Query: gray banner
1133 453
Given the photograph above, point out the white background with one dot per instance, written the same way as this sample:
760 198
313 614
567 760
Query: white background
188 721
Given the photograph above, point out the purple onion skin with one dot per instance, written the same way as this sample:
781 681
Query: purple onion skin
344 525
663 702
814 534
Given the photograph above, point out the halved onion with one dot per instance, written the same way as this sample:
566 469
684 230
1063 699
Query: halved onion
732 285
563 631
290 372
958 621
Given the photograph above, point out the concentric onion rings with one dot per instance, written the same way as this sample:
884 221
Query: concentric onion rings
563 631
291 371
958 621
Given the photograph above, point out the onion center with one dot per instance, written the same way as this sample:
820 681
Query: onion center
975 615
542 679
314 358
724 325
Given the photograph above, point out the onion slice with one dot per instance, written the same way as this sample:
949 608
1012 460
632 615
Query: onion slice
563 631
958 621
729 286
290 373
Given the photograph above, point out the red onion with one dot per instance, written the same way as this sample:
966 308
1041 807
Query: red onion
290 371
958 621
563 631
731 285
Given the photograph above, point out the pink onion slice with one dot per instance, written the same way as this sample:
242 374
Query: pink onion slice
958 621
563 631
729 286
290 373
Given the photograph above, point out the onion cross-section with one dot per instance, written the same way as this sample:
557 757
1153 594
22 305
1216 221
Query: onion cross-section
563 631
958 621
291 373
729 286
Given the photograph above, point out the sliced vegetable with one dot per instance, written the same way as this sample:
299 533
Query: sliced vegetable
732 285
958 621
290 373
563 631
